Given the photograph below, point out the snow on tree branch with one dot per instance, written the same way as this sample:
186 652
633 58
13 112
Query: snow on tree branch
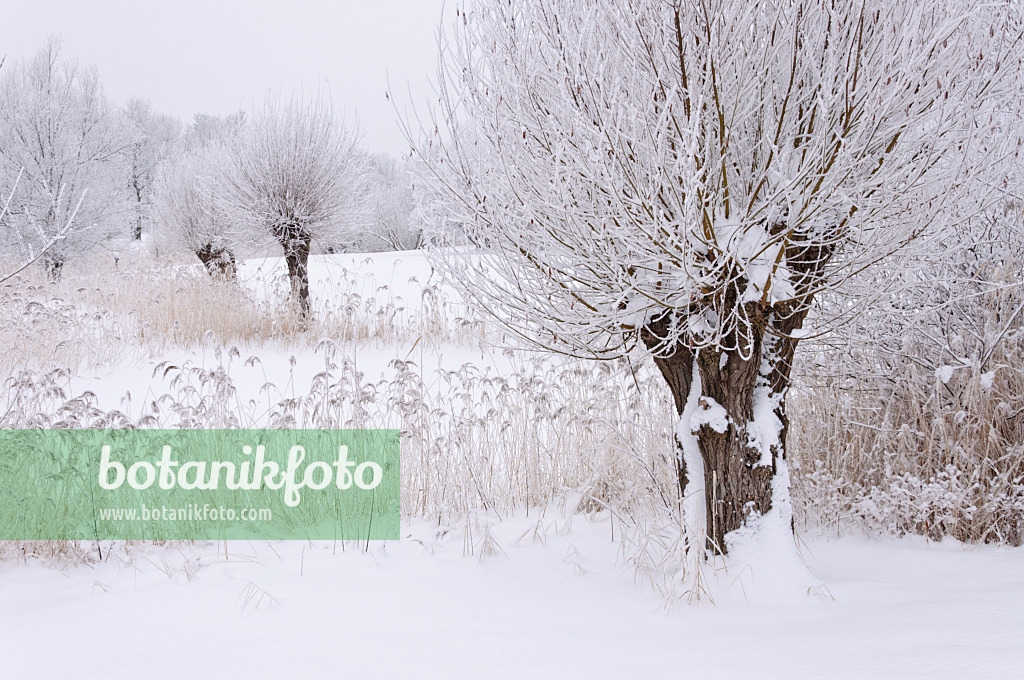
719 159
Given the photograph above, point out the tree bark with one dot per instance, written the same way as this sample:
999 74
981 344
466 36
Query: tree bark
738 483
735 482
677 370
137 227
296 257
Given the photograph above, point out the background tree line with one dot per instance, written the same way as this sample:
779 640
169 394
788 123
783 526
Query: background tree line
79 173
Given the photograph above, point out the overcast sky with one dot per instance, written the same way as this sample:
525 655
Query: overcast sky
216 56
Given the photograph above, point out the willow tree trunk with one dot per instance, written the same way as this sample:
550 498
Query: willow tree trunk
296 257
218 261
740 452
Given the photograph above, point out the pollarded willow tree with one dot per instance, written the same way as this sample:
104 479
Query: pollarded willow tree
296 177
685 176
187 212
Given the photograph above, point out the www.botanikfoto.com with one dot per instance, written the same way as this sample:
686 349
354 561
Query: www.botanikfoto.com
193 512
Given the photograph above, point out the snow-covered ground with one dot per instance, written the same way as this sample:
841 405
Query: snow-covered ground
547 600
395 279
543 594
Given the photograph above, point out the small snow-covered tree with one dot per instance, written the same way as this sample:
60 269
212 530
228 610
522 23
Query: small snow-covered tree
686 176
56 129
296 178
186 208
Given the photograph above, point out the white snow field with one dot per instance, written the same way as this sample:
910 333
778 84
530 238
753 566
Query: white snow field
485 592
554 604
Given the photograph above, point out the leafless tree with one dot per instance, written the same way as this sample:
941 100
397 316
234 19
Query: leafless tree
685 177
56 129
296 178
187 212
